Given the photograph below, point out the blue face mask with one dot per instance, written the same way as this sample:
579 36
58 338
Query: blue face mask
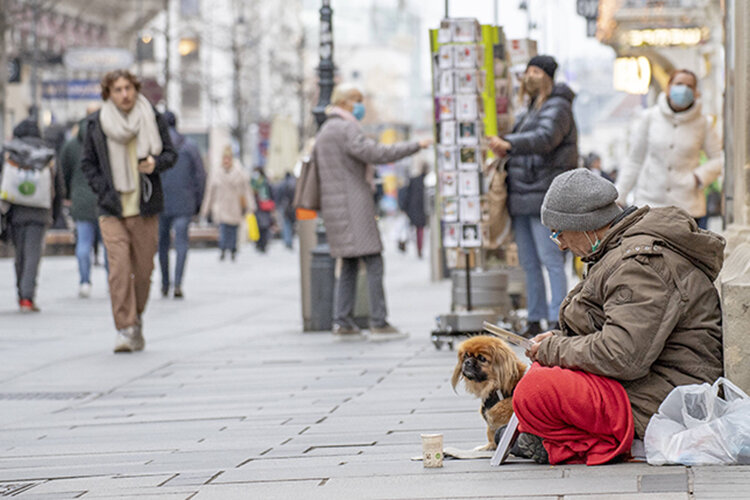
358 111
681 96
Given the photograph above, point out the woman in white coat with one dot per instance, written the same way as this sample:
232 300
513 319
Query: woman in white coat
663 167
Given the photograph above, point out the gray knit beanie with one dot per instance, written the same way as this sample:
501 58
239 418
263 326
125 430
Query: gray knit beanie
579 200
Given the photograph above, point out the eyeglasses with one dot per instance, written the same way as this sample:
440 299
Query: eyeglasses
555 236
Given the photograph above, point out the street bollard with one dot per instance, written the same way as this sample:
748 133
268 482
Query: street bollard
321 284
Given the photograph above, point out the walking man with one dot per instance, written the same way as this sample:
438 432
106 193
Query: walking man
127 146
183 194
83 204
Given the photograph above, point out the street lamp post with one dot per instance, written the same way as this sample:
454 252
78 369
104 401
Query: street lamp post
325 67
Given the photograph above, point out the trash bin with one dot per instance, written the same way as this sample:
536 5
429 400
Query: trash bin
322 281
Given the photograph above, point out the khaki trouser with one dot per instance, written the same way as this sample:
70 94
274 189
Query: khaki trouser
131 244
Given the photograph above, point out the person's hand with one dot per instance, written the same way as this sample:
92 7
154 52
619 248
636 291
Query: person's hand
425 143
531 353
147 166
498 146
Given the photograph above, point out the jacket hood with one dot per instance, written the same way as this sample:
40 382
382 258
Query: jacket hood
673 228
562 90
691 113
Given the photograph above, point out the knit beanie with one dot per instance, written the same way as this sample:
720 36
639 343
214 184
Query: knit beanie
545 63
579 200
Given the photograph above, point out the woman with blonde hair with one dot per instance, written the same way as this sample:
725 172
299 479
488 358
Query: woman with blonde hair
228 199
543 145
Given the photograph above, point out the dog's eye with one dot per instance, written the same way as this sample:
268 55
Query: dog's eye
481 358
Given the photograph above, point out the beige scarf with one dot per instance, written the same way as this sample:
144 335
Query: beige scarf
120 128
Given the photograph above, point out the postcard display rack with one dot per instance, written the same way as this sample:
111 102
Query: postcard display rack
472 95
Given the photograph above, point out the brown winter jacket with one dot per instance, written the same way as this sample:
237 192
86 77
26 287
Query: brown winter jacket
342 152
647 314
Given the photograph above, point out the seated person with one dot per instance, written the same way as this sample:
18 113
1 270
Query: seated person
645 318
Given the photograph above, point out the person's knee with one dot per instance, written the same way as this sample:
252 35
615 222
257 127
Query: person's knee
531 388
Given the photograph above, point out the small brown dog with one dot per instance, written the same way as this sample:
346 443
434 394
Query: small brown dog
490 370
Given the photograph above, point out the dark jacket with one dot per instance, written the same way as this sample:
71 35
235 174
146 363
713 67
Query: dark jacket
19 215
184 184
285 196
95 165
415 202
83 199
648 313
543 145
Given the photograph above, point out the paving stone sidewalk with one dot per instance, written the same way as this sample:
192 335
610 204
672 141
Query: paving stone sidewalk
231 400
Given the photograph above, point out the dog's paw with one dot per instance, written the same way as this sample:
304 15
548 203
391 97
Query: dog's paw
485 447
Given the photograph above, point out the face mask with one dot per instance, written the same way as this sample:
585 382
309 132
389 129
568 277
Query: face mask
681 95
358 111
595 244
532 85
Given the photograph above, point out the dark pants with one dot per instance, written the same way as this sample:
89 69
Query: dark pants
28 240
265 221
180 224
346 287
228 237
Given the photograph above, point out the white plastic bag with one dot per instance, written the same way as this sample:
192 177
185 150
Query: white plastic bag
694 426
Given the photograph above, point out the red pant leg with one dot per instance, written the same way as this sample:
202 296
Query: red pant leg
583 418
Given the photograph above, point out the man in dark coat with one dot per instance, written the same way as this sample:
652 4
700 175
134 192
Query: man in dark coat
184 185
83 205
415 206
543 145
27 225
127 148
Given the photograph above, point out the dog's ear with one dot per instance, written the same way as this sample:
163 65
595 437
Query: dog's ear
457 371
506 364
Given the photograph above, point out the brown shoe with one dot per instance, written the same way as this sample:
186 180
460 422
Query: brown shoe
386 332
345 329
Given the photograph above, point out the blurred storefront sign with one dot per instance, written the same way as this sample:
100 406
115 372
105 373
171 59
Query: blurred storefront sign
632 75
97 58
71 89
666 37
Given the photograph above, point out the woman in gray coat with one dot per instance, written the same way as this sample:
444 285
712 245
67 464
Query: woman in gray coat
344 154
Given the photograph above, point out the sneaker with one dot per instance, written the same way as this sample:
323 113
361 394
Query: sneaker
84 291
533 328
386 332
221 255
178 293
27 305
234 255
129 339
351 329
530 446
165 292
553 325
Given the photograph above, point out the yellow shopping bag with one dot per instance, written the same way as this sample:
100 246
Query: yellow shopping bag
253 233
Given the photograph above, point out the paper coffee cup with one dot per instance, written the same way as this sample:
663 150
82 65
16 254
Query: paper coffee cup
432 450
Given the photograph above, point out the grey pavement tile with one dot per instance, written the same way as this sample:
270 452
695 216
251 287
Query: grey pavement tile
655 483
631 496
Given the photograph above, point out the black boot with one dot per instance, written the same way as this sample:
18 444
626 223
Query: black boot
553 325
530 446
533 328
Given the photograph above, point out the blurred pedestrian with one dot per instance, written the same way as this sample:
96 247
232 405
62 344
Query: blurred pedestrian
664 162
543 144
593 162
183 186
284 198
415 205
265 207
126 148
28 220
342 152
83 204
228 199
